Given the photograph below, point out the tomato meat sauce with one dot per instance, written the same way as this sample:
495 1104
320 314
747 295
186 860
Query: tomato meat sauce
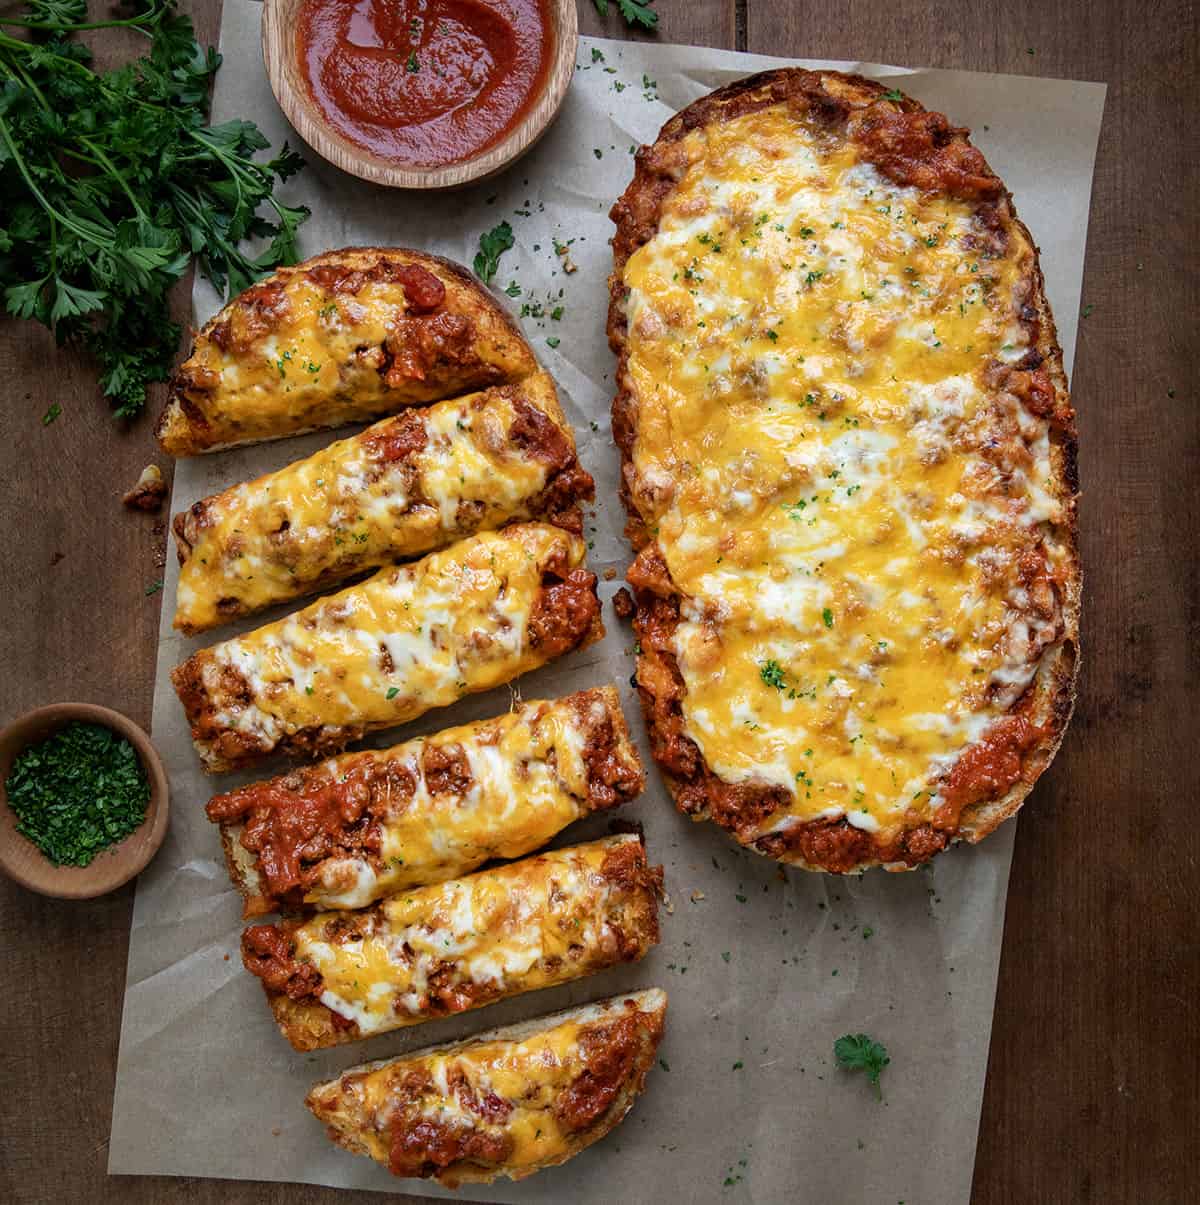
424 82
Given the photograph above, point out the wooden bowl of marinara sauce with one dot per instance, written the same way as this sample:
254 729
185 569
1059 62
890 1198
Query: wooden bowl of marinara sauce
433 100
25 863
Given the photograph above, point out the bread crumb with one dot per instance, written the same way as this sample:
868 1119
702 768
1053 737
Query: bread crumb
149 493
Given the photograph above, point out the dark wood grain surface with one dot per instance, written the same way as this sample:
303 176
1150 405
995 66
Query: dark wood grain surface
1092 1081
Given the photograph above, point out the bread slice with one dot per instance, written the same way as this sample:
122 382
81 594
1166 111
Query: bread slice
345 337
363 825
810 223
507 1102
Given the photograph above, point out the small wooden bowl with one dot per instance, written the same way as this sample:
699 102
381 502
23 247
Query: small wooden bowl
22 861
280 21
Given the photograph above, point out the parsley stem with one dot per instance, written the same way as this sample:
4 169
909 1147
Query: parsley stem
151 16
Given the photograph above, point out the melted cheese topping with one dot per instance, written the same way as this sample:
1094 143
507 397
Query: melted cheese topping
345 510
529 780
529 1070
411 638
319 363
516 928
808 349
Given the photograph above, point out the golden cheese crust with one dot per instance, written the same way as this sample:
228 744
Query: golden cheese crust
352 829
509 1102
401 488
463 944
380 653
345 337
857 585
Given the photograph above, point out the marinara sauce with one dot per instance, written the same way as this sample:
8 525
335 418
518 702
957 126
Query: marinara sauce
424 82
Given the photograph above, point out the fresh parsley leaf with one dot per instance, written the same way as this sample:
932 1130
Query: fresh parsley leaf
827 617
51 414
635 12
858 1052
492 246
392 692
894 94
771 672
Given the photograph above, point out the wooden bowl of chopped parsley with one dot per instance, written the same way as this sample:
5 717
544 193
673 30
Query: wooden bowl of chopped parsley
83 800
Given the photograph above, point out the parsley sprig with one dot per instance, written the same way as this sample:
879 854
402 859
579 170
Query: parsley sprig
110 182
492 246
635 12
858 1052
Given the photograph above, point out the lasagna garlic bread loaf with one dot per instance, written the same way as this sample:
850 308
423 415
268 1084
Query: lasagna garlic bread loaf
411 638
343 338
446 948
403 487
345 832
505 1103
849 468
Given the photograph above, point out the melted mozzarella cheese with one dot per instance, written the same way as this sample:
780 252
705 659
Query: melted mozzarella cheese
516 928
411 638
808 350
345 509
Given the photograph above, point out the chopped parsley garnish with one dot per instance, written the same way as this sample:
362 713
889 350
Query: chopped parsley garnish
858 1052
392 692
51 414
772 673
894 94
413 64
78 792
514 289
553 341
492 246
827 617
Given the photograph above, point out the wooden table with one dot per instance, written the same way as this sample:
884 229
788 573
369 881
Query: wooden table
1092 1081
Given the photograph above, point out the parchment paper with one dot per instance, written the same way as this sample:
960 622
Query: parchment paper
765 968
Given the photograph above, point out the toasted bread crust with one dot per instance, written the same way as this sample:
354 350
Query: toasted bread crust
190 423
952 164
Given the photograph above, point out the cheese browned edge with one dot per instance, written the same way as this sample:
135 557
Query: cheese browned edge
405 486
306 349
507 1102
911 146
380 653
450 947
345 832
